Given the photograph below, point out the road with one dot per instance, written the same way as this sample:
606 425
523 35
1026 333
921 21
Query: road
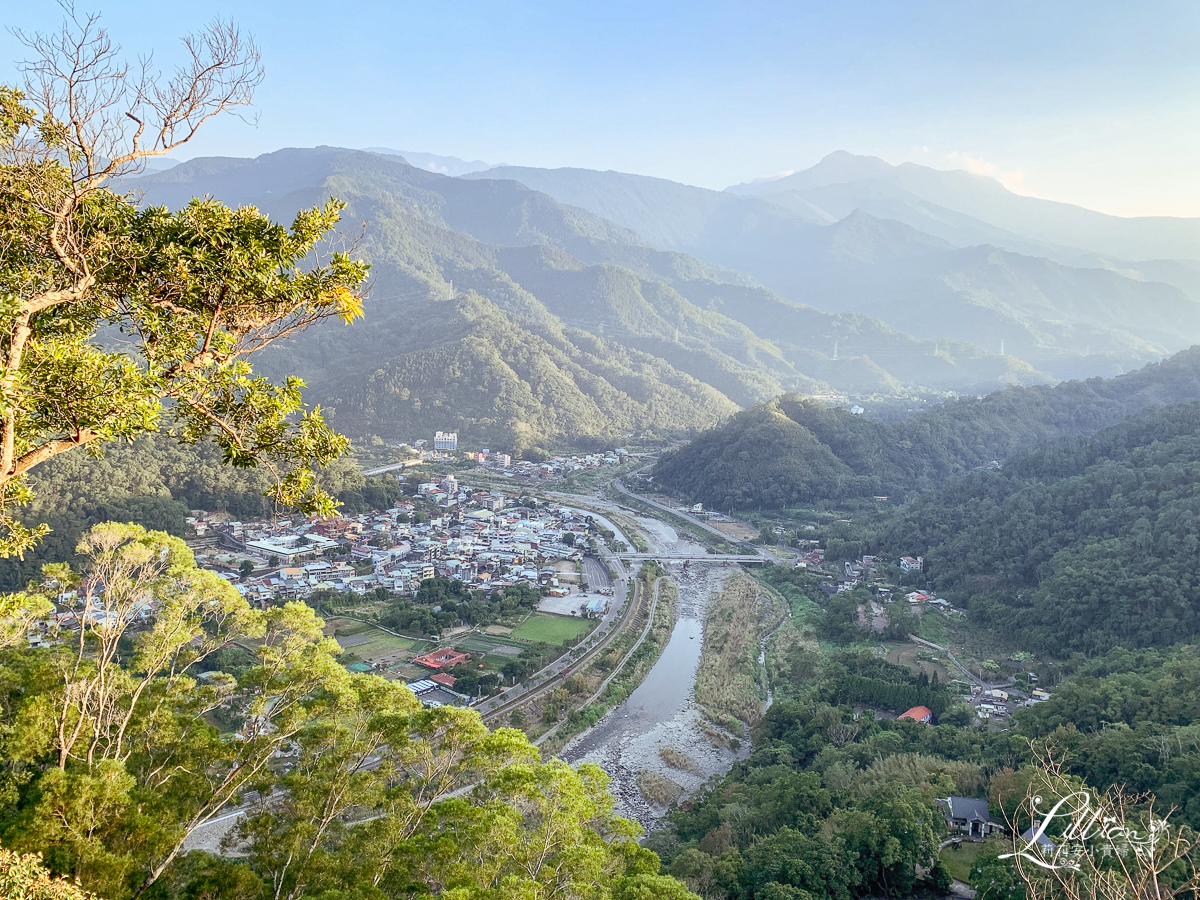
619 666
379 470
612 625
595 573
744 558
606 630
761 552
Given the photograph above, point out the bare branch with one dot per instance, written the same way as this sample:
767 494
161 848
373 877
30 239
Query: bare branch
115 114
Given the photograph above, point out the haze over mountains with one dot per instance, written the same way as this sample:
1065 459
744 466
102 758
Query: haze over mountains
529 306
519 320
934 253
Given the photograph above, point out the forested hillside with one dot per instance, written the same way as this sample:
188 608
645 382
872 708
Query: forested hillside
499 312
933 253
1084 544
792 451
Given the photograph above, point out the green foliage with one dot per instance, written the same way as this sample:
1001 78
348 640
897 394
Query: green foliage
114 754
794 452
23 877
192 293
1083 544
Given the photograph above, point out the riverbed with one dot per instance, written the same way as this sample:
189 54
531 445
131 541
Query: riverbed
662 712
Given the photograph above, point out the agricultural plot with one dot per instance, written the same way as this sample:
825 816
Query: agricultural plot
484 644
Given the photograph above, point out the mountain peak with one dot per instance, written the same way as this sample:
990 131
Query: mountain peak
837 167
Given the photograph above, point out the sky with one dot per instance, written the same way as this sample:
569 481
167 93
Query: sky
1094 103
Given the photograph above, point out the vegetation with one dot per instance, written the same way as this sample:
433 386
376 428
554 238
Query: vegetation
1084 544
552 629
727 680
677 760
658 789
456 604
793 452
828 788
192 293
116 754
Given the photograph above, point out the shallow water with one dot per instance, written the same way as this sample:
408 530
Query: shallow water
666 691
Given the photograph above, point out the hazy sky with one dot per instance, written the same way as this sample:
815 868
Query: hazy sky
1094 103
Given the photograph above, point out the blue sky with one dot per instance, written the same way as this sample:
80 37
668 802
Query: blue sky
1094 103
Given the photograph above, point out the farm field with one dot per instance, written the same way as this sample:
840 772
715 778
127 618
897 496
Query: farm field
479 643
551 629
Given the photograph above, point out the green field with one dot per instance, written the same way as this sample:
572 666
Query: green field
959 862
552 629
483 644
381 642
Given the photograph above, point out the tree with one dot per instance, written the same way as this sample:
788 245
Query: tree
194 293
246 569
113 727
111 757
1102 846
23 877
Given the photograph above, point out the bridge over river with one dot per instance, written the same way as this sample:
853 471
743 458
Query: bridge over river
744 558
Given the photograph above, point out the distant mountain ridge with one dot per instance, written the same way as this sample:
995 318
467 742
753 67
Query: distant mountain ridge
792 452
434 162
1047 222
907 244
519 320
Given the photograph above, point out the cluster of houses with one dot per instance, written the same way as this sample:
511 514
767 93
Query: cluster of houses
999 704
554 467
479 537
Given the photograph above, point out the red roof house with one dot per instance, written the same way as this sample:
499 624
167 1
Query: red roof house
444 679
918 714
442 659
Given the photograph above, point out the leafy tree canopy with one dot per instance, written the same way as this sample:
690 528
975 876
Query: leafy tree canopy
111 314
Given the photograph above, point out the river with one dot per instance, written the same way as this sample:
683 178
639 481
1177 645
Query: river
661 712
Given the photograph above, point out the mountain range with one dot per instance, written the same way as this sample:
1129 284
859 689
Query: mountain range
933 253
520 320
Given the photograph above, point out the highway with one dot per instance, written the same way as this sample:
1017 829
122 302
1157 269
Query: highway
595 573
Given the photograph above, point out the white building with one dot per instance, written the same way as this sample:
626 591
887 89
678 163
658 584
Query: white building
445 440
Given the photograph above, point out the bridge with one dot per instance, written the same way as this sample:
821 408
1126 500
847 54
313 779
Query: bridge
743 558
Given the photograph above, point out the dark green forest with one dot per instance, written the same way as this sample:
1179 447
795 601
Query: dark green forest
793 452
1083 544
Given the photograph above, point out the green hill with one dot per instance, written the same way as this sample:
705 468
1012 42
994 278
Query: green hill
516 320
793 451
1083 544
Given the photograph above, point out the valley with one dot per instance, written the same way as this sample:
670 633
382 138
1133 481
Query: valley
613 520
